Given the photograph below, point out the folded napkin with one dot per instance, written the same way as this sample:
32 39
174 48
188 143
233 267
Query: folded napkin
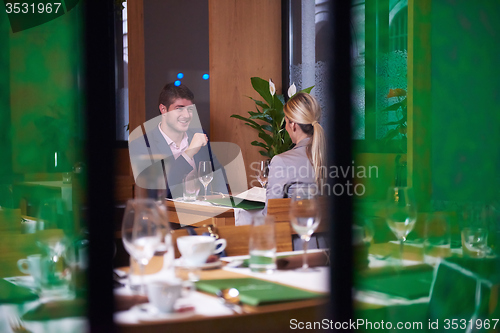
295 261
57 309
10 293
257 292
409 283
238 203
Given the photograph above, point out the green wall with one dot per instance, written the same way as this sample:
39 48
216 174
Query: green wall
465 100
42 79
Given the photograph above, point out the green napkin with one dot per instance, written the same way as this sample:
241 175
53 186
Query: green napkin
10 293
238 203
257 292
410 284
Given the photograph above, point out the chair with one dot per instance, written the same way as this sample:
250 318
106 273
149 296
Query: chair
237 238
280 208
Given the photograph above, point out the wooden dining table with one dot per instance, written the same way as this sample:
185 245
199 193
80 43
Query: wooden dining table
274 317
195 215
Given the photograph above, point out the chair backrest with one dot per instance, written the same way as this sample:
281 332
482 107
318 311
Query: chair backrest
280 208
237 238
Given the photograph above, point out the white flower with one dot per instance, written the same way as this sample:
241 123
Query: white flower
292 90
272 87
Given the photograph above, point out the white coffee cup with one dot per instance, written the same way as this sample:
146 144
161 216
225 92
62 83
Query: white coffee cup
196 249
31 265
163 295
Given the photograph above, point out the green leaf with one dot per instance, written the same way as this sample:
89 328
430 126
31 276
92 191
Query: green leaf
259 103
252 114
266 137
268 128
281 99
265 153
391 134
264 117
262 87
396 106
307 90
392 107
237 116
257 127
259 144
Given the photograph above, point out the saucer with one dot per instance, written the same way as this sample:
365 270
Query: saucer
148 312
26 281
209 265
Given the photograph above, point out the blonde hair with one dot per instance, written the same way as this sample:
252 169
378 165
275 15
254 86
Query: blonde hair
304 110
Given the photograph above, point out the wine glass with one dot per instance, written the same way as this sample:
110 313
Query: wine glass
401 213
141 232
205 174
304 215
263 173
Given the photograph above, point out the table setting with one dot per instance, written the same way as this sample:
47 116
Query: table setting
203 284
199 284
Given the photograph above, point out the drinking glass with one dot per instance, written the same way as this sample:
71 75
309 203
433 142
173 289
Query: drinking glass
304 215
262 244
141 232
263 173
437 243
54 228
165 247
191 187
401 213
205 174
474 242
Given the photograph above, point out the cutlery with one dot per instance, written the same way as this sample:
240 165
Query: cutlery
231 298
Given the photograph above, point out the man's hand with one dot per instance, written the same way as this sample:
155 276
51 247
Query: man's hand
199 140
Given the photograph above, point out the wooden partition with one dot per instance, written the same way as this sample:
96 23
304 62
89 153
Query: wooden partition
245 41
136 71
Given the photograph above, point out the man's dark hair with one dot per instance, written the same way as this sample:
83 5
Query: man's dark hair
171 92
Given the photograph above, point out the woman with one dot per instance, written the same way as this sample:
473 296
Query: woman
306 161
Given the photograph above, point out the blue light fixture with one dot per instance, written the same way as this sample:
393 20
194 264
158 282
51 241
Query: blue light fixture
177 83
205 76
180 75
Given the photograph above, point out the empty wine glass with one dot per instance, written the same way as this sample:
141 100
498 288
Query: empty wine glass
263 173
205 174
141 232
401 213
304 215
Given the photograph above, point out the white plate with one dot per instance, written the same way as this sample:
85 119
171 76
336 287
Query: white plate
210 265
148 312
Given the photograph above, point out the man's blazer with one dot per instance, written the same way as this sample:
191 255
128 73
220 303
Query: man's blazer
155 166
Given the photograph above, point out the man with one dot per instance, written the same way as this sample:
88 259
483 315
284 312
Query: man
172 146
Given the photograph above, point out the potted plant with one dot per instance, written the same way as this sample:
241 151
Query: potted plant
398 132
271 128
